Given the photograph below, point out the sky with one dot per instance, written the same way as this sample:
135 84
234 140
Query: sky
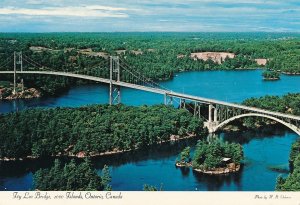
149 15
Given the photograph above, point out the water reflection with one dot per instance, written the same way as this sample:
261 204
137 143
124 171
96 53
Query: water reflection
155 152
244 137
216 182
156 164
185 171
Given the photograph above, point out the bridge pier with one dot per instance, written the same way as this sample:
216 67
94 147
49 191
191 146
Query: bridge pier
168 99
211 126
212 122
182 103
209 112
215 114
197 109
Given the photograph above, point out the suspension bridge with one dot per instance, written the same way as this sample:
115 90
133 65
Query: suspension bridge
116 72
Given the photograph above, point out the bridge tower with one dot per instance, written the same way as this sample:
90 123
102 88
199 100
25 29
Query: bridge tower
18 60
114 90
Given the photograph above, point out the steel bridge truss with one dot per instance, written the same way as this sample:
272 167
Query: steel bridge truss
216 116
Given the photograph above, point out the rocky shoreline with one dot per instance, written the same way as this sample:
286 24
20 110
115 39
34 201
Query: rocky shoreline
82 154
288 73
26 94
271 79
230 168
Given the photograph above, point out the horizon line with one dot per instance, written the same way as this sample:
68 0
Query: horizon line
44 32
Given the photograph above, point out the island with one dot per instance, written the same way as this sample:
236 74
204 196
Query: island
213 158
6 91
271 75
184 158
92 130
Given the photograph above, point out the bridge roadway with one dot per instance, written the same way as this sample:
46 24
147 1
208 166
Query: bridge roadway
159 91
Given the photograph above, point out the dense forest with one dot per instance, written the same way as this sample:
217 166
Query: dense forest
292 182
210 155
289 104
91 130
72 176
157 55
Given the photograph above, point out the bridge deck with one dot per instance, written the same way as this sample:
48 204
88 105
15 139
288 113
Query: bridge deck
159 91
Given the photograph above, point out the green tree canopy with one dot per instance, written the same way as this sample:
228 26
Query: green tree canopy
70 176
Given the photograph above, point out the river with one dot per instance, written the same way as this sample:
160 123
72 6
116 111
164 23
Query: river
263 150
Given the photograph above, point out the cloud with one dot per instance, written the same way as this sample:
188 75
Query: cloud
82 11
150 15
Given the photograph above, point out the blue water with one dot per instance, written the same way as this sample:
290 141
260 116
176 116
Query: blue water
231 86
156 166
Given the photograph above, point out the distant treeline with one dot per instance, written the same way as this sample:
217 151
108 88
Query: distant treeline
157 55
91 130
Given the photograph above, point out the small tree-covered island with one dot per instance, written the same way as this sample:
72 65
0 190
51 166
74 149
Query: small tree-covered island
271 75
213 158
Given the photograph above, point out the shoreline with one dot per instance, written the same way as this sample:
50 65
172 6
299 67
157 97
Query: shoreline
220 171
28 93
271 79
81 155
289 73
285 72
230 168
39 94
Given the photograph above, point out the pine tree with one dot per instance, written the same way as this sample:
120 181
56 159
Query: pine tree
106 178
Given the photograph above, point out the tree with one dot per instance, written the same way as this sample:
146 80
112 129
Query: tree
91 129
148 187
184 156
70 176
279 183
292 182
106 178
209 155
271 75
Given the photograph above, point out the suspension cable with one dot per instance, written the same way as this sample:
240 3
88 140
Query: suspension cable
7 61
143 77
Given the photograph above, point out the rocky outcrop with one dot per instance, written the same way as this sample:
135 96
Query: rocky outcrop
217 57
261 61
230 168
26 94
